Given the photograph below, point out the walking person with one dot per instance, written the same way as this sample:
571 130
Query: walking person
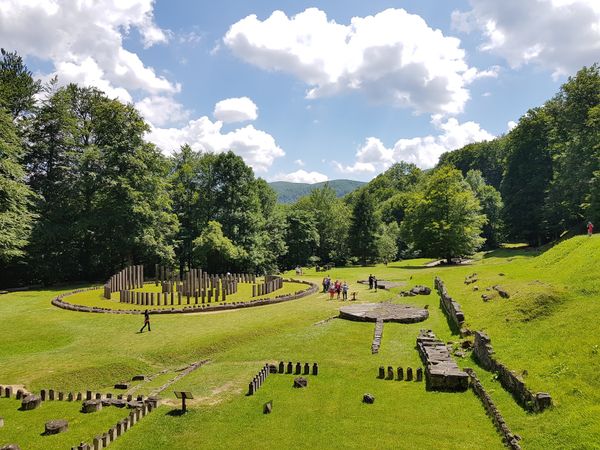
371 281
345 291
590 228
146 321
338 288
375 283
331 291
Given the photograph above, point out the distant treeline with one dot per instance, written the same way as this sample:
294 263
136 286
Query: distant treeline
83 193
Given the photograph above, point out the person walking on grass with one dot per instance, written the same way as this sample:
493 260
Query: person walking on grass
146 321
590 228
345 291
371 281
375 283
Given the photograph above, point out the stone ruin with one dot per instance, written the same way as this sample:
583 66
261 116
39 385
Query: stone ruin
450 307
484 353
129 278
441 371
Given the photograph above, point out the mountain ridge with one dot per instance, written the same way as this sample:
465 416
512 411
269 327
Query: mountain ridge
289 192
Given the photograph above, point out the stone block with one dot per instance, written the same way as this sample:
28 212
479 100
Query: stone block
409 374
56 426
31 402
300 382
290 367
298 368
268 407
390 373
122 385
306 368
369 399
281 367
315 369
91 406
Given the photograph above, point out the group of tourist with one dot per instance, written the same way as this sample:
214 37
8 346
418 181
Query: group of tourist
339 287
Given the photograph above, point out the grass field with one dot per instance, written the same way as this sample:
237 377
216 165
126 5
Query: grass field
548 329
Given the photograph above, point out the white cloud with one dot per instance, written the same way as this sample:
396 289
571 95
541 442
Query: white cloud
424 151
256 147
299 162
302 176
560 35
510 125
237 109
161 110
392 57
84 41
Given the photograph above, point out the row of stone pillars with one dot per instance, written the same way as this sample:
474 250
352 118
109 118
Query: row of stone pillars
400 374
131 277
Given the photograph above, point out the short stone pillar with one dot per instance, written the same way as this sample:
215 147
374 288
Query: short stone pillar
409 374
20 393
298 368
51 394
43 395
97 443
290 367
281 367
306 368
420 374
251 389
400 373
70 397
91 406
381 372
56 426
390 373
31 402
79 396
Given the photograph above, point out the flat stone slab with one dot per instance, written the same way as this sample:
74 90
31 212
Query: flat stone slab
388 312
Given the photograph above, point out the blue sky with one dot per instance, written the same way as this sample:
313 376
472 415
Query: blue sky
313 91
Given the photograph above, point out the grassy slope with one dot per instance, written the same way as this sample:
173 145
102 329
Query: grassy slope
548 327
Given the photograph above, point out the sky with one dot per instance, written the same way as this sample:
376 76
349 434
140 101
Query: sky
307 92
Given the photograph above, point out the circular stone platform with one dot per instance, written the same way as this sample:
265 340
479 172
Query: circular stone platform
388 312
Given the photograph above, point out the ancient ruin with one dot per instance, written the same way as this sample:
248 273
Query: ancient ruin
441 371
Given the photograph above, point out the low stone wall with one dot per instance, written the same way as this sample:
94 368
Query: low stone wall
484 352
510 440
377 335
61 303
441 371
451 307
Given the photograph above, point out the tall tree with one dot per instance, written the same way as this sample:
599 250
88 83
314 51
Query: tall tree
527 177
15 196
213 249
301 237
103 201
491 205
17 85
364 225
332 222
444 218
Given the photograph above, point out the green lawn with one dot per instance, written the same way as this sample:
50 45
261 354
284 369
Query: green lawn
548 328
26 427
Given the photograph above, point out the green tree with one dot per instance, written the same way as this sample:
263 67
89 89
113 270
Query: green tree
185 197
527 177
387 242
491 205
488 157
15 196
214 251
444 218
103 200
301 237
332 221
17 86
364 225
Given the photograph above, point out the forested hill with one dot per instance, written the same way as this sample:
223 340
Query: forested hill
288 192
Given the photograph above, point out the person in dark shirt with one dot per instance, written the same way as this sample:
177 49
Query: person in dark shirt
146 321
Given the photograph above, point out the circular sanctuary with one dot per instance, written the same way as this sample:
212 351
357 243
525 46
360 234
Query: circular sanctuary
129 292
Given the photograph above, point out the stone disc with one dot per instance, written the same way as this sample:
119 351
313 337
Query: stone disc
388 312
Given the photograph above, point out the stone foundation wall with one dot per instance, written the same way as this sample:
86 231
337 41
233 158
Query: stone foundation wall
484 352
450 307
510 440
441 371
